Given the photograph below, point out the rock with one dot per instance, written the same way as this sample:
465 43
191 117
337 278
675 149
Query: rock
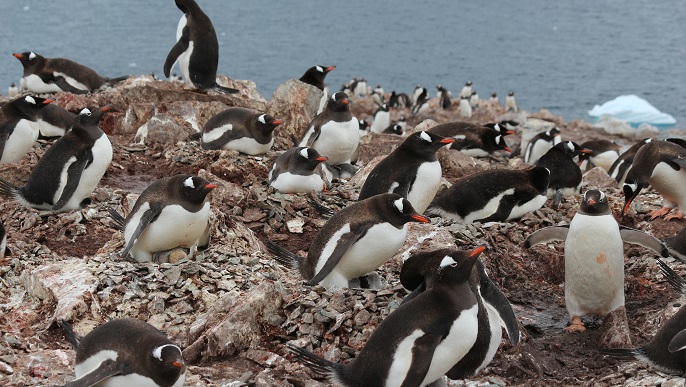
162 129
598 178
296 103
356 182
423 237
47 363
531 128
68 283
609 125
615 330
458 164
425 125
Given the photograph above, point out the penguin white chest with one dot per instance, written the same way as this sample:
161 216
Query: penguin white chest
670 184
49 130
23 137
594 265
35 84
536 150
338 141
287 182
382 120
605 159
184 63
425 185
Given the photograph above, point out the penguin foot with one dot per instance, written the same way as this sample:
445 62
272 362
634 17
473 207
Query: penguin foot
577 325
678 215
658 213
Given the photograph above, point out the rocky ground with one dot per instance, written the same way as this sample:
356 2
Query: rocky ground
233 309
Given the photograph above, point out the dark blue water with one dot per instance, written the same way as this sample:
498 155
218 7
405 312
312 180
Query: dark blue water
562 56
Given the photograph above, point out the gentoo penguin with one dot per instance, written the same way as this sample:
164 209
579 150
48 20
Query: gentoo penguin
403 123
466 91
495 195
395 129
354 242
419 341
364 127
382 119
378 95
677 245
465 108
540 144
196 50
472 139
510 102
241 129
19 130
53 75
3 241
493 99
662 164
474 100
171 212
494 312
501 127
666 351
565 174
360 89
298 170
594 257
335 132
12 91
418 90
398 100
444 96
422 104
54 121
125 352
412 171
69 170
315 76
603 153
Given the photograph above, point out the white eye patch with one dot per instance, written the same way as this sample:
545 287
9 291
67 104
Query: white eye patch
602 195
157 353
498 139
632 186
448 261
189 182
85 111
303 152
261 119
570 146
425 136
32 56
30 99
333 97
399 204
321 70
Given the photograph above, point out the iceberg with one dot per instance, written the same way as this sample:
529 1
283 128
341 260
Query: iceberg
633 110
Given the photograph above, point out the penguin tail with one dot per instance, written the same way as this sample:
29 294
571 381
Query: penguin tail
8 190
116 80
316 363
117 218
295 140
323 210
623 353
225 90
73 337
678 283
283 256
557 198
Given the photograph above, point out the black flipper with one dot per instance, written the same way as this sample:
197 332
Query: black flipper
66 86
119 221
73 177
678 283
147 217
545 235
315 363
105 370
422 354
346 240
179 48
224 90
641 238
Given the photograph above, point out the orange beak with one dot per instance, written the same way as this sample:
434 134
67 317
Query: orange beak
106 108
321 158
508 149
591 202
447 141
421 219
18 56
330 68
509 132
345 102
584 150
47 101
477 251
210 186
177 364
626 206
277 122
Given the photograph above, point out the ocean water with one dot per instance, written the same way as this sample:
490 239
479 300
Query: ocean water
564 56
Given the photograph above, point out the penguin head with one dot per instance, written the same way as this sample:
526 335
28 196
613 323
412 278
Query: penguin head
266 123
88 117
504 131
494 95
194 188
510 93
186 5
501 144
364 125
28 59
310 156
397 210
339 102
425 143
540 179
456 267
27 106
469 83
397 129
383 108
631 189
168 364
571 148
594 203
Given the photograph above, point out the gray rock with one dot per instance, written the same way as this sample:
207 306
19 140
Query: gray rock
296 103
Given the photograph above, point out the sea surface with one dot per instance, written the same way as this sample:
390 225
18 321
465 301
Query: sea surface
564 56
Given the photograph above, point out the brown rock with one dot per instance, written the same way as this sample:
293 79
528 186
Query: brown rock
296 103
598 178
459 164
162 129
615 330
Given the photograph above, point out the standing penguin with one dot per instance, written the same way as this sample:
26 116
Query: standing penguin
125 352
466 90
495 195
334 133
465 108
19 130
298 170
171 212
12 91
565 174
444 96
662 164
241 129
315 76
510 102
419 341
603 153
412 171
621 166
474 100
196 50
666 351
382 119
356 241
472 139
422 104
493 99
540 144
495 311
53 75
594 258
69 170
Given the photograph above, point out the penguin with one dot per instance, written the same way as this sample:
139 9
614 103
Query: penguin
196 50
472 139
594 257
496 195
4 250
565 174
422 104
474 100
666 351
494 311
12 91
315 76
421 340
382 119
69 170
444 97
241 129
540 144
19 129
510 102
394 129
378 95
174 78
493 99
403 123
466 91
465 108
603 153
353 242
54 75
412 171
501 127
364 127
677 245
360 89
662 164
125 352
54 121
416 93
171 212
335 132
298 170
394 101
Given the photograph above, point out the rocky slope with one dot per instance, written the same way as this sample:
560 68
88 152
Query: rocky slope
232 309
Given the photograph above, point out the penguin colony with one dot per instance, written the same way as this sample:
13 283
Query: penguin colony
450 323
